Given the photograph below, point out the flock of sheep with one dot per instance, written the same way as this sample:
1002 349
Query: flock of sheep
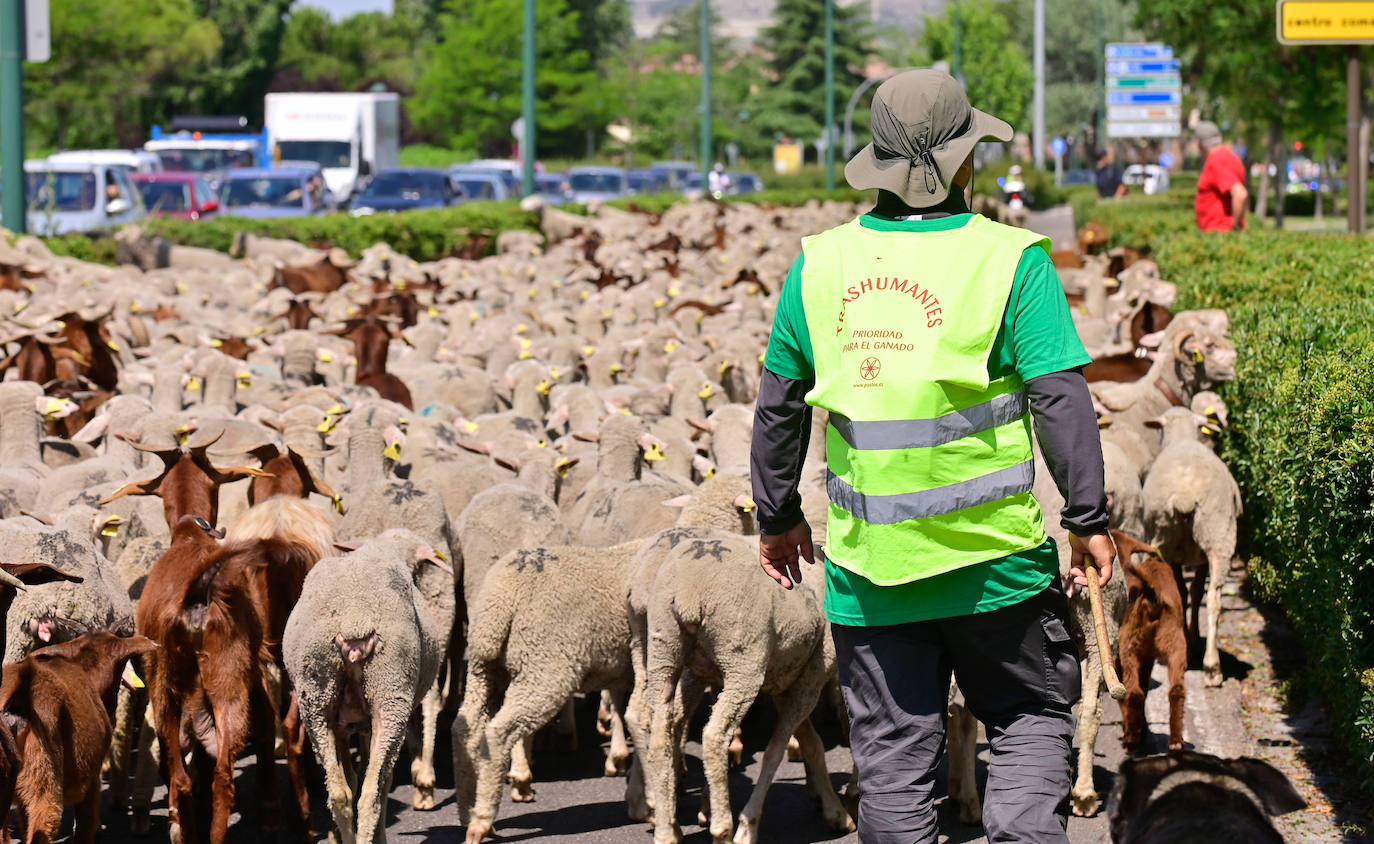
476 485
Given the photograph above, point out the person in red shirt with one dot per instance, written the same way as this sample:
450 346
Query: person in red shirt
1221 195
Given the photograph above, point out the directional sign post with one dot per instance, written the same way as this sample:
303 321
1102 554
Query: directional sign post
1337 22
1144 91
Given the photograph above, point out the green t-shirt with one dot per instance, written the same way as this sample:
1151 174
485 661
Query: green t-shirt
1037 337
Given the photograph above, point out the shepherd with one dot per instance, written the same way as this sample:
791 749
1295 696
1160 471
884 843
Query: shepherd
936 558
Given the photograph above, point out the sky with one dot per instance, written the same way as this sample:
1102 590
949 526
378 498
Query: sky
343 8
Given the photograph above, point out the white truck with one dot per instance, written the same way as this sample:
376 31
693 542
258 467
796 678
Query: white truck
349 135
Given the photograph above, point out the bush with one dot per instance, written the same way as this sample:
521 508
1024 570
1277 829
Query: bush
1040 183
1301 444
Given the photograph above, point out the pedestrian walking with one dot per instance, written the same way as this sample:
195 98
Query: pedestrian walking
1221 195
933 336
1111 179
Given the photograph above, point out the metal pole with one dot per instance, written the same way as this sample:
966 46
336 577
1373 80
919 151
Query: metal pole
958 47
706 95
1354 172
527 111
830 138
1101 78
12 114
1038 124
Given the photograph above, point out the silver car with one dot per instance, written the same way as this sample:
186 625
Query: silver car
66 198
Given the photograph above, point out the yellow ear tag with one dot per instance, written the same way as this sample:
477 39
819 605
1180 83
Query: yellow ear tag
586 294
588 351
351 310
111 528
673 292
760 358
615 367
525 342
400 284
563 466
556 283
193 383
245 379
54 407
19 306
606 314
533 292
653 454
749 506
327 426
134 680
521 328
181 287
660 302
215 342
433 312
542 444
61 323
543 387
524 355
1198 356
337 500
181 434
670 347
443 558
392 451
336 410
1210 411
470 427
325 356
134 307
114 347
625 411
472 317
554 373
1208 430
706 392
724 365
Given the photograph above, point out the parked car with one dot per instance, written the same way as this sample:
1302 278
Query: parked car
692 184
590 184
553 187
677 172
475 185
649 181
183 195
744 183
403 189
272 192
331 201
210 158
66 198
509 172
132 160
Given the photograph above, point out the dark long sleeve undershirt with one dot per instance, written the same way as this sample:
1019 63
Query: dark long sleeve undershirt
1065 424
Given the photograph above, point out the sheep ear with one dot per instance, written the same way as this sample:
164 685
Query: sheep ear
1156 422
587 436
347 547
680 501
35 574
475 447
508 463
426 554
1152 341
703 425
92 430
745 503
47 520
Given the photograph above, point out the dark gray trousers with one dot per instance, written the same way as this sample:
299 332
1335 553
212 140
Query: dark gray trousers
1018 670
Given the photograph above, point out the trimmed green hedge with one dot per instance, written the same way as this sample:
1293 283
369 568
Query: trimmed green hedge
1301 444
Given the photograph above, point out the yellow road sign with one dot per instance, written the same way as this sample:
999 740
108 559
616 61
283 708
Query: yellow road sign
1325 21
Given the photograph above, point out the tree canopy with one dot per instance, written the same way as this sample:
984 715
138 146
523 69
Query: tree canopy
997 70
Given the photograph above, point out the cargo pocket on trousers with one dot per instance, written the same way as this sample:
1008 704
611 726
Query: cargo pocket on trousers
1063 682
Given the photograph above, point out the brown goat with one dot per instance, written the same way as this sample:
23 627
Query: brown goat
370 344
1151 631
61 700
188 483
284 472
90 341
213 608
299 313
320 277
14 576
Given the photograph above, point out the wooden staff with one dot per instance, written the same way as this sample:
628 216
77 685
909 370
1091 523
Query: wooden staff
1104 651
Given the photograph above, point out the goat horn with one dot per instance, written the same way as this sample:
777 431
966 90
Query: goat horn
10 580
1183 337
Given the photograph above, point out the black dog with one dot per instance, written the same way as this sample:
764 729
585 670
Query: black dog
1184 797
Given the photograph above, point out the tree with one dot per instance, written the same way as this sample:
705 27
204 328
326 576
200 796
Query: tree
470 88
250 41
352 54
793 102
115 72
997 71
603 30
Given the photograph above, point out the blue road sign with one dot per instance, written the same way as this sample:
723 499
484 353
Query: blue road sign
1119 67
1057 145
1166 160
1145 98
1139 51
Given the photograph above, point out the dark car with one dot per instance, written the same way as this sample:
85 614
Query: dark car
649 181
179 194
404 190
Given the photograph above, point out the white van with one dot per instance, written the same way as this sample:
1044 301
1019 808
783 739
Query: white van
132 160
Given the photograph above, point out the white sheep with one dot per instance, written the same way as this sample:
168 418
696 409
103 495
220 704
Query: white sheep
362 660
1192 505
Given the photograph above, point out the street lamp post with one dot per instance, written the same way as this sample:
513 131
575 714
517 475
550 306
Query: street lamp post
1038 124
830 95
12 113
527 141
705 94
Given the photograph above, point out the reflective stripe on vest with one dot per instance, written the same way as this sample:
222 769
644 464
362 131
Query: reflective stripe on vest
929 461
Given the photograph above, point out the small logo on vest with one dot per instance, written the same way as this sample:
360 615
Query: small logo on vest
869 369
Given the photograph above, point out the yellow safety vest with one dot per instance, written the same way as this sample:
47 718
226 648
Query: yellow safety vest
930 463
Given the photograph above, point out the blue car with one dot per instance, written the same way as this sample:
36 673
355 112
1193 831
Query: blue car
276 192
649 181
474 186
597 183
403 190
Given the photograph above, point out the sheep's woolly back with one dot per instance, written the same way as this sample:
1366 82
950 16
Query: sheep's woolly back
284 517
713 505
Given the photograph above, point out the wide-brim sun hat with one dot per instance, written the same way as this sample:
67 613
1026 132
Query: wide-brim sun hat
923 130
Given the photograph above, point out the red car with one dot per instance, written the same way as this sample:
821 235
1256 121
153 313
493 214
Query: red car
174 194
